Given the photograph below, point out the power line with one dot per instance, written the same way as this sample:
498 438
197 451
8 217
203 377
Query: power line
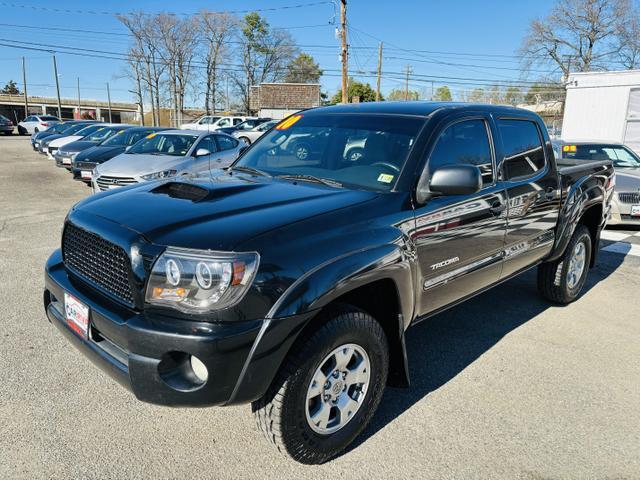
102 12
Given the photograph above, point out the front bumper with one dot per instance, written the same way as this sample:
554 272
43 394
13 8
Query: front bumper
77 168
63 161
144 353
621 213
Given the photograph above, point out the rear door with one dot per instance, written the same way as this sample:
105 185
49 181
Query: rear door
228 151
460 238
531 180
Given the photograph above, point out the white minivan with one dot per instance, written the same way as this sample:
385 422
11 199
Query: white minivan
213 122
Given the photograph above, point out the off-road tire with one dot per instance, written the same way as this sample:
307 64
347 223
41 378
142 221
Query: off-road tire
552 276
281 413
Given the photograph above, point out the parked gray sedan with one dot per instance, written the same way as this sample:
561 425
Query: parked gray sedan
625 205
167 154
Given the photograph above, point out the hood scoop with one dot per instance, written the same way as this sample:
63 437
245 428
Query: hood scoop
183 191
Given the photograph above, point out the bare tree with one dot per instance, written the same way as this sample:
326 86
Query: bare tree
217 30
144 35
629 38
578 35
265 54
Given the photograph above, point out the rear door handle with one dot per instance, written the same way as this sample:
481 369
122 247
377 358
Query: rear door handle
497 208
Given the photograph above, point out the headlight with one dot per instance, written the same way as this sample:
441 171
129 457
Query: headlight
199 281
158 175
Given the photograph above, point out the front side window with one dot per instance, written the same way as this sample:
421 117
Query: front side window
164 144
464 143
208 143
225 122
523 148
320 147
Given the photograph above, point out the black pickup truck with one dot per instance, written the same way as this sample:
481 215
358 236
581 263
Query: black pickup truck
290 284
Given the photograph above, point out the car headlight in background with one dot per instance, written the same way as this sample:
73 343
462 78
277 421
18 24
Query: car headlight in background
159 175
198 281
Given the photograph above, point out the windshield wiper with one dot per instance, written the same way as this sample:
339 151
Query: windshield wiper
312 178
243 168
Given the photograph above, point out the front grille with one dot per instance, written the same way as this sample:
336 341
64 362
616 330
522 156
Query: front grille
97 261
104 182
85 165
629 197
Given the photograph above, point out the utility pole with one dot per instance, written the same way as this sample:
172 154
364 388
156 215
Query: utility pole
79 111
432 90
408 71
379 72
109 102
55 73
24 87
343 33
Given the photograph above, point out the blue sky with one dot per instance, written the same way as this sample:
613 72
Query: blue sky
480 38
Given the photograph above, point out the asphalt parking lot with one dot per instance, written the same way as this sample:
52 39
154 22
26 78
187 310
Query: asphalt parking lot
504 386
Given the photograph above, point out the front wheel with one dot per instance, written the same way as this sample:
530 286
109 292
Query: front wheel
562 280
245 140
327 389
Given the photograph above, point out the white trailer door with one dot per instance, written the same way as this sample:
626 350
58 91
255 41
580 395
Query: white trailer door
632 127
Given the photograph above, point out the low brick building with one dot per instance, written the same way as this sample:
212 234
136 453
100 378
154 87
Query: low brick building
278 100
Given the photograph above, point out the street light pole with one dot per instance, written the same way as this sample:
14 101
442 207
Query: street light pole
109 100
343 32
24 88
79 111
55 73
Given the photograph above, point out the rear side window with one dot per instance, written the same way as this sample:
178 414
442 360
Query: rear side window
464 143
226 143
523 148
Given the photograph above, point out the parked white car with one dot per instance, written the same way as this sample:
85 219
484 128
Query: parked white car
36 123
54 146
167 154
250 136
213 122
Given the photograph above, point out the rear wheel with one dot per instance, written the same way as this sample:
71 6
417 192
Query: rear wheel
562 280
328 388
21 131
302 151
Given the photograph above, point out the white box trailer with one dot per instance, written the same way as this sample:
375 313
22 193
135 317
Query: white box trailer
603 107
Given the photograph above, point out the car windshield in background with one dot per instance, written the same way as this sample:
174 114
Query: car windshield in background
356 151
164 144
620 156
76 127
49 118
102 134
60 127
87 130
125 138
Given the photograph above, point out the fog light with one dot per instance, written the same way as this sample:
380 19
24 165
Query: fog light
199 368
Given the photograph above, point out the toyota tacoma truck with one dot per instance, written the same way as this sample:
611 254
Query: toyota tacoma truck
291 284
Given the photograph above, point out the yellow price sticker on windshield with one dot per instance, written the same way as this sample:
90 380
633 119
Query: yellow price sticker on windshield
151 135
100 129
120 132
385 178
288 122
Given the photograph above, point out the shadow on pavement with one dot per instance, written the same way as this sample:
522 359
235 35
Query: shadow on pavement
443 346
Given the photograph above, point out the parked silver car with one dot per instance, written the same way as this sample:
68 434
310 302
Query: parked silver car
250 136
625 205
167 154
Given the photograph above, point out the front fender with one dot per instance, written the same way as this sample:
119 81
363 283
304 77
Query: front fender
328 281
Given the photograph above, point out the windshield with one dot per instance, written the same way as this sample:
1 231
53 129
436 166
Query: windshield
102 134
125 138
83 130
359 151
620 156
60 127
49 118
164 144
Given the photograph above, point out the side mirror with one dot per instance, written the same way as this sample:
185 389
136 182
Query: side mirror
202 152
452 180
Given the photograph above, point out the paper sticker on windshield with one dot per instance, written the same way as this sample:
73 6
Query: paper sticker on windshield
119 132
385 178
151 135
100 129
288 122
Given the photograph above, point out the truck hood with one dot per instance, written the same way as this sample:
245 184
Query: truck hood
220 212
99 153
132 165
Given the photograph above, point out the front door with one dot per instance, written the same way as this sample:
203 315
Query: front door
460 238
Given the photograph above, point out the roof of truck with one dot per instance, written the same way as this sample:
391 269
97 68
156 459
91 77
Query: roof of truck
417 108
